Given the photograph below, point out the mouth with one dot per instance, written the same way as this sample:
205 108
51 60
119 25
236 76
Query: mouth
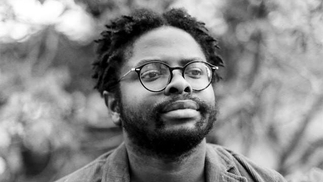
181 105
180 113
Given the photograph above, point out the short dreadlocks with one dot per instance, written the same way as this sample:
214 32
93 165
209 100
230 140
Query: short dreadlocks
115 45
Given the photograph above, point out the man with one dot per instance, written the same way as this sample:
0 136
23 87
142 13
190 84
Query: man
156 74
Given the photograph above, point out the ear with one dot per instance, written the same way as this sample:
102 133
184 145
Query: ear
112 104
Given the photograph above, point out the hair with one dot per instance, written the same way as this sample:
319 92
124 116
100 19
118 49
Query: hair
115 44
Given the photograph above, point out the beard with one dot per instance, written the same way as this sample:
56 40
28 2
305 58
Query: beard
159 142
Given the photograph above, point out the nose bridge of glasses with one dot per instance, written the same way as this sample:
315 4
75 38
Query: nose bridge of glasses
177 82
171 69
180 69
180 74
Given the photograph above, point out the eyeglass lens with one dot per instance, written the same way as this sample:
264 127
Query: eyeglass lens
155 76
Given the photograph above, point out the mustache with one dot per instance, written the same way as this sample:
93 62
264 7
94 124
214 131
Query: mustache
157 111
160 107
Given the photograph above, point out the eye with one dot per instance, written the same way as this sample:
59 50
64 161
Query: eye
194 73
150 75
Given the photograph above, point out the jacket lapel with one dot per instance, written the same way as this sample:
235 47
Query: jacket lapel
229 177
116 167
220 168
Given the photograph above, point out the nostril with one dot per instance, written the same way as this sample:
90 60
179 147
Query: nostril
188 89
173 90
176 90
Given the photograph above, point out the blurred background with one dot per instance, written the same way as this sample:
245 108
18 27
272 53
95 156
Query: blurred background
53 122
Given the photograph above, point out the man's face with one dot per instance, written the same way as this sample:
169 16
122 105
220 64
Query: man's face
171 122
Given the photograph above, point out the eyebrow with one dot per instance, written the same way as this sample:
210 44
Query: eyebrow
182 61
185 61
144 61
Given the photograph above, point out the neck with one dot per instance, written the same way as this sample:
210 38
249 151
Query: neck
189 168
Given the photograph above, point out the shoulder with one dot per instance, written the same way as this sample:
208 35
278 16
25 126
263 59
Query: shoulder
245 167
89 172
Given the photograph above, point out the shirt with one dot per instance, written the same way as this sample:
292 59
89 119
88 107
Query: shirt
221 165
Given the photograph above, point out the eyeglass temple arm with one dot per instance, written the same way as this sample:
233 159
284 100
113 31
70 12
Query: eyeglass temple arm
131 70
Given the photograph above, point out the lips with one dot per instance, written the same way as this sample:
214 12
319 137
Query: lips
181 104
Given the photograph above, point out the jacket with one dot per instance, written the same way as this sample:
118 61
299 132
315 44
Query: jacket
222 165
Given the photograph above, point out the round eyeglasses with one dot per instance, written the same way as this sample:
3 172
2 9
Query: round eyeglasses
155 75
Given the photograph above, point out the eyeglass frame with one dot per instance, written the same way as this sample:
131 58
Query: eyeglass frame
171 69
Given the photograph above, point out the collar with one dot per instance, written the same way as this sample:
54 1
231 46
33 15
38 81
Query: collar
116 168
219 166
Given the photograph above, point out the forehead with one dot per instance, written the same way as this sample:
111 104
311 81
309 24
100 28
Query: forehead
167 44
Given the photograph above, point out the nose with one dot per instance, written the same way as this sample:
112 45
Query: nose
178 85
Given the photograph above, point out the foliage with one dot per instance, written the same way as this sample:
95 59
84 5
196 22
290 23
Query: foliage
274 67
314 175
52 122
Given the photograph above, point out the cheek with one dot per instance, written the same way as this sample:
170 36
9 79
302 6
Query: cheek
132 94
208 95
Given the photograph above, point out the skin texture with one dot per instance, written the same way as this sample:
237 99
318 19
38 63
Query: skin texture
174 47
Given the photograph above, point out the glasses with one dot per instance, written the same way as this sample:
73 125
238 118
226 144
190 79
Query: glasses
155 75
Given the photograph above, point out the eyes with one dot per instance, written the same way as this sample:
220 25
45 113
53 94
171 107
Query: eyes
194 73
156 75
153 72
151 75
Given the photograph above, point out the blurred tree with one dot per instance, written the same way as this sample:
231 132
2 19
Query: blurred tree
270 48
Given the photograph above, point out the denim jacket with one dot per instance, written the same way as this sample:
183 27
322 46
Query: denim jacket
222 165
